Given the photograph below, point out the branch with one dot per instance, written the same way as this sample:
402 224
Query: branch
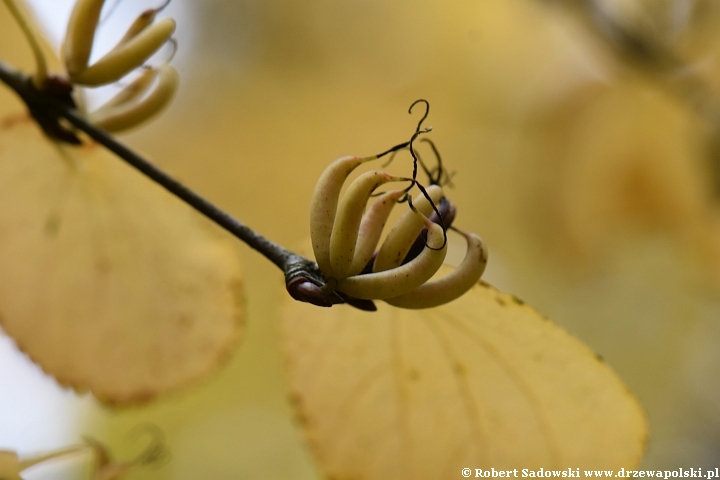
52 102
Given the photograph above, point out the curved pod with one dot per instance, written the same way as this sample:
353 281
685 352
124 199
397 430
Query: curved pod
448 288
127 56
406 230
349 215
80 35
132 113
405 278
371 228
323 207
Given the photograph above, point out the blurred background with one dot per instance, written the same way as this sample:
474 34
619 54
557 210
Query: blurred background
584 137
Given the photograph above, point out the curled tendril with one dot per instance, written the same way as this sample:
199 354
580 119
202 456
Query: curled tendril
392 157
438 169
427 112
434 178
162 7
417 133
394 149
425 169
118 2
437 175
172 41
420 160
406 190
437 212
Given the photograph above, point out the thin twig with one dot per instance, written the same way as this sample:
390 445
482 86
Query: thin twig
301 273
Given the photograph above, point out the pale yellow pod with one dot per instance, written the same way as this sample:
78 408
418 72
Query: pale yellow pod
347 222
81 35
323 207
403 234
452 286
131 114
126 57
405 278
134 90
144 20
371 228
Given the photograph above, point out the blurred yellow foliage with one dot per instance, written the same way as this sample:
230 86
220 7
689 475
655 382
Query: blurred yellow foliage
273 91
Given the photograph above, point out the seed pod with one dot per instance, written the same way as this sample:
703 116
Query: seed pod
134 90
81 35
371 228
447 214
405 278
126 57
349 215
452 286
323 207
406 230
144 20
129 114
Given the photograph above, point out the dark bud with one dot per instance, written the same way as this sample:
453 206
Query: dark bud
303 290
56 90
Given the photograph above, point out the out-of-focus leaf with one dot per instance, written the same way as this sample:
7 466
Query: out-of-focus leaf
108 282
482 382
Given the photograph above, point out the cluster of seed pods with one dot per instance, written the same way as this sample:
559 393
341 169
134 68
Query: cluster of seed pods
345 233
142 98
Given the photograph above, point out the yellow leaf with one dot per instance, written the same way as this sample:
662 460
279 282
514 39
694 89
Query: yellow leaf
482 382
108 282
